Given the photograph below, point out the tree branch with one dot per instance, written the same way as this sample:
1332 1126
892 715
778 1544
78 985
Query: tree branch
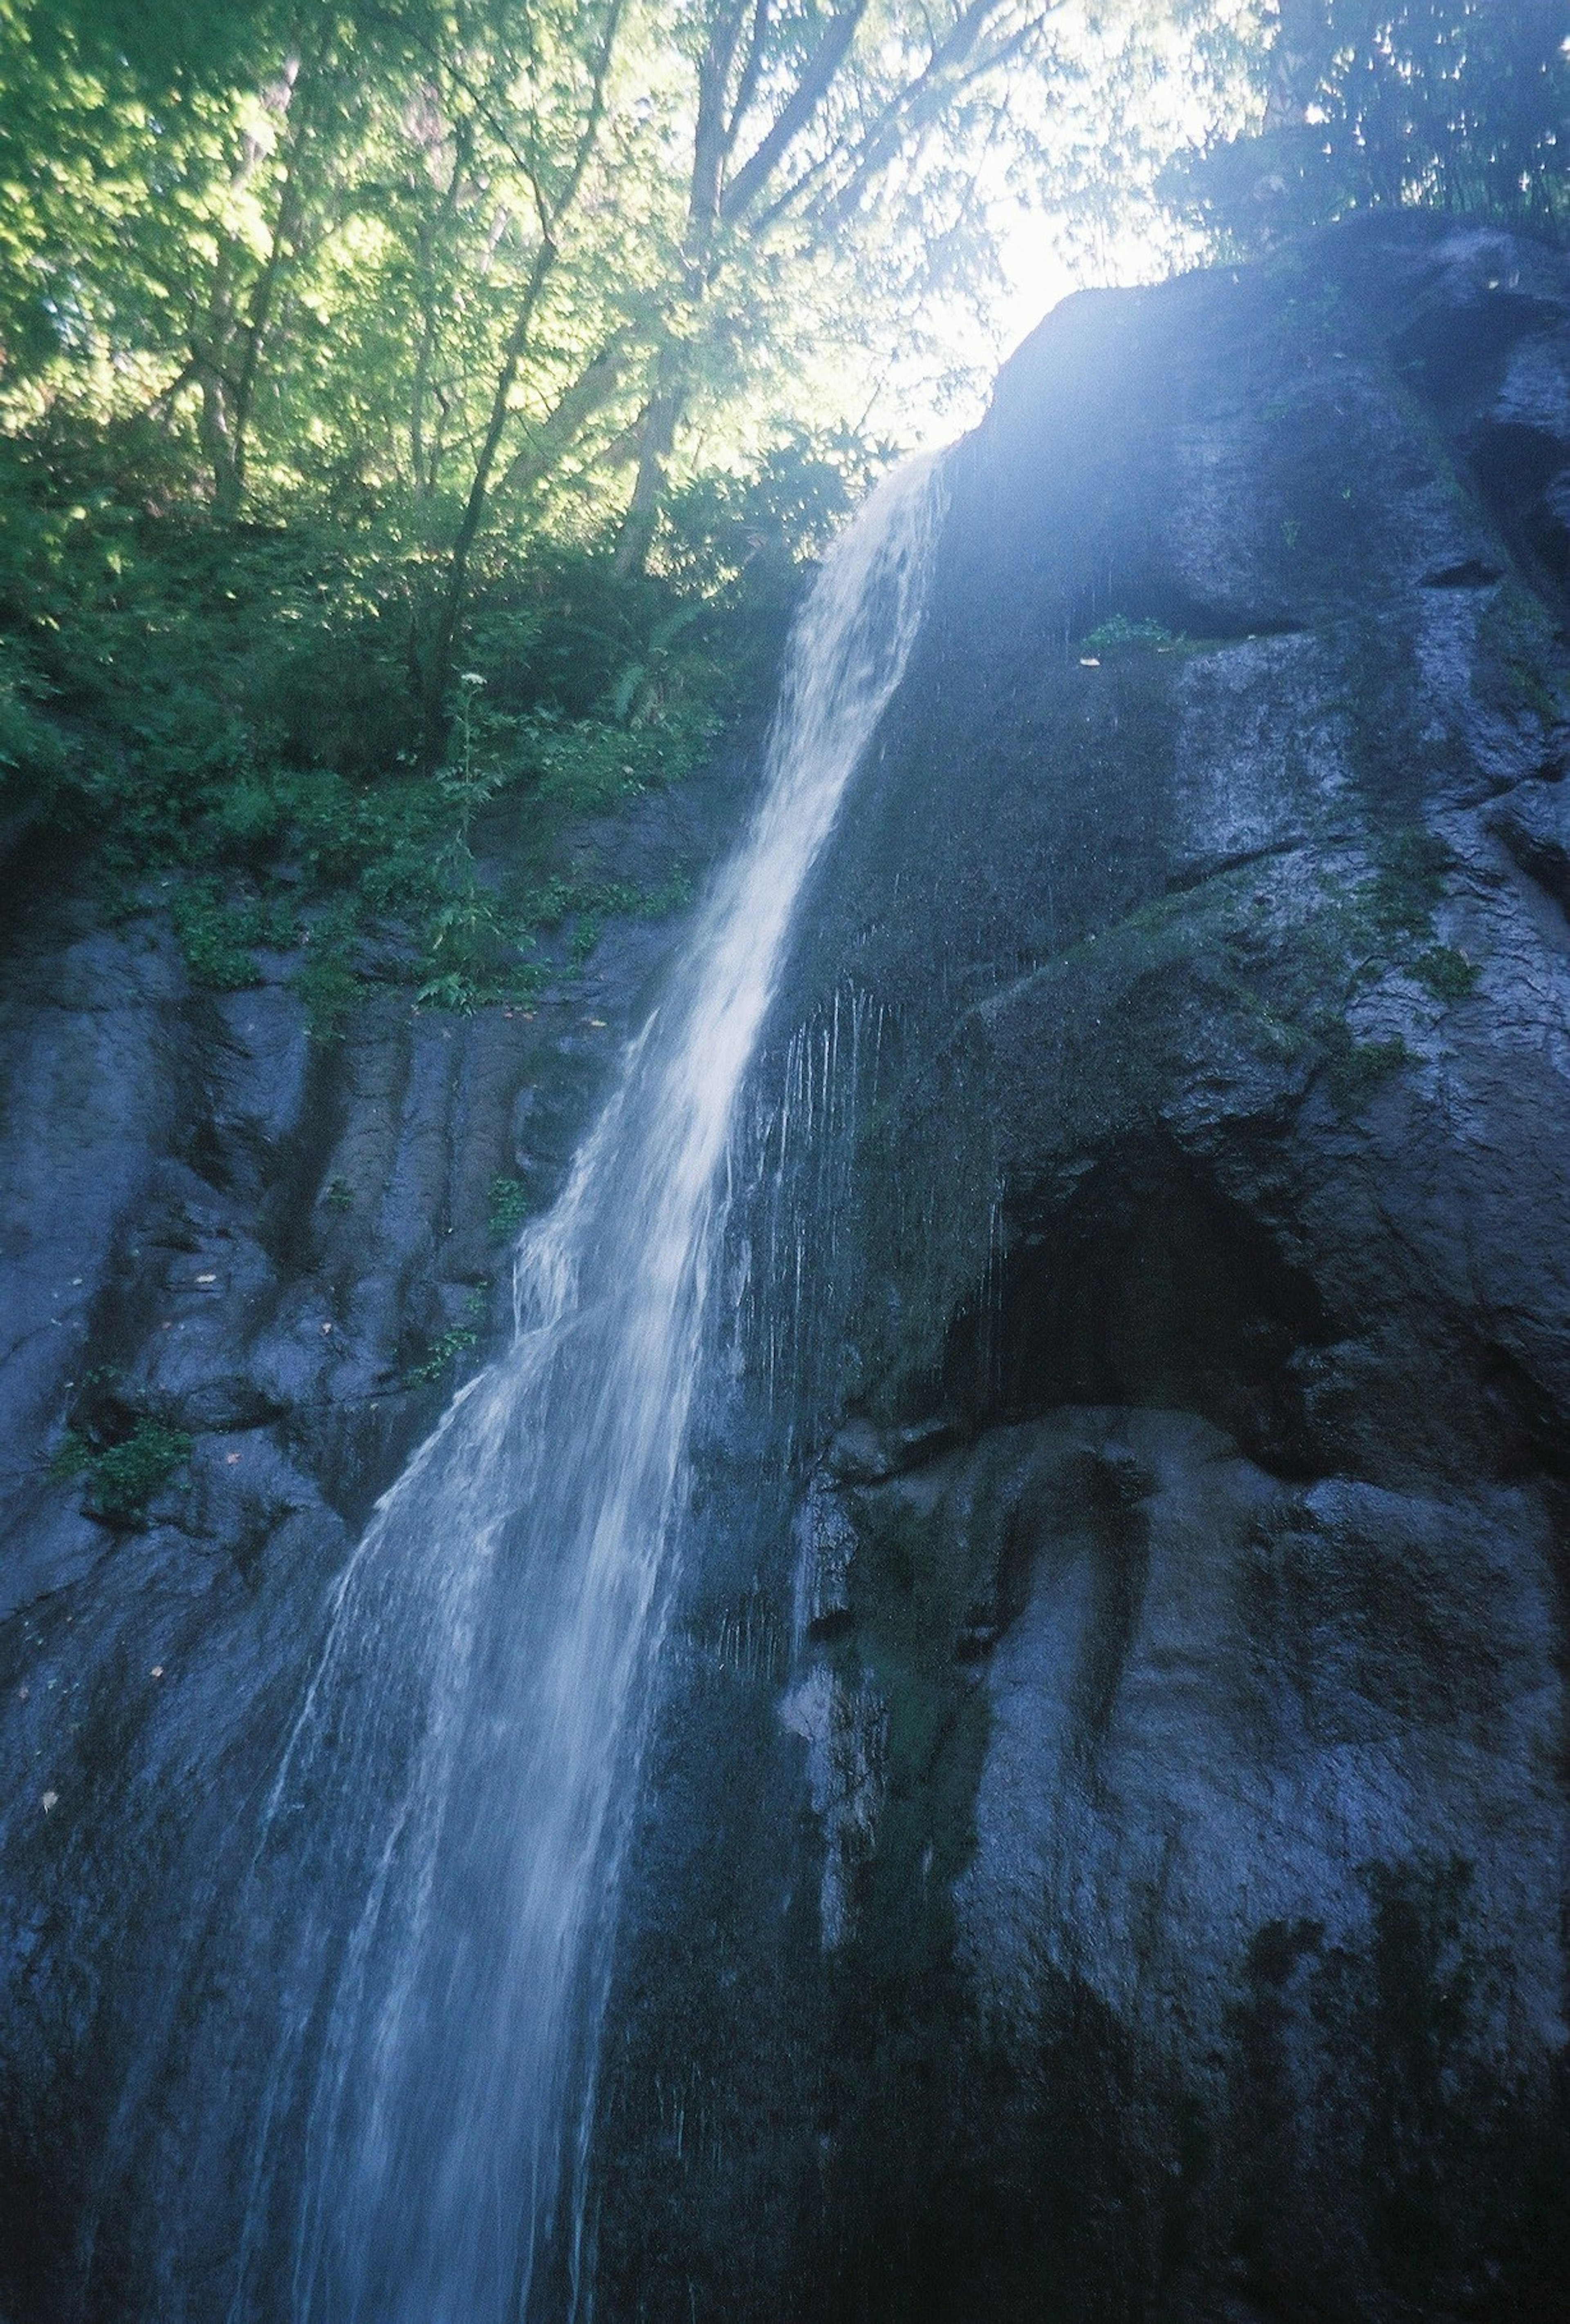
589 392
711 144
916 105
817 78
436 674
751 68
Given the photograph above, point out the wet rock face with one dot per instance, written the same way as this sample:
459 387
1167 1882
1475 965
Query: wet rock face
1258 970
1265 1813
218 1223
255 1265
1168 1888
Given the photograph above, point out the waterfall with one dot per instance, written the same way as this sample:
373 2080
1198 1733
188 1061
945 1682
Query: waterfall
432 1887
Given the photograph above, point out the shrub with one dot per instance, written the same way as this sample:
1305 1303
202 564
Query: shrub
1356 1068
123 1476
509 1207
1448 974
224 717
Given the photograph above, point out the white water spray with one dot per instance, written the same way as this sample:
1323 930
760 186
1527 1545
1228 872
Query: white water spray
485 1675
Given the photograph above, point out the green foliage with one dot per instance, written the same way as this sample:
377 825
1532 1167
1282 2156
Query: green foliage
34 756
1122 634
415 422
511 1207
1447 975
123 1475
396 253
1355 1069
189 705
443 1353
217 932
446 1351
1457 104
164 45
581 906
325 979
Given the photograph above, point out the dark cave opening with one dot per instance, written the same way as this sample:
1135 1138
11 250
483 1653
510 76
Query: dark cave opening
1146 1284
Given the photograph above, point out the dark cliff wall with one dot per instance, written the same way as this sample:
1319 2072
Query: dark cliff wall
1149 1899
282 1249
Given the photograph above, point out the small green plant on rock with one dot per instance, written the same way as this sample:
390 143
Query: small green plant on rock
1407 885
123 1477
445 1350
217 932
1446 974
1120 633
464 941
326 979
1356 1068
509 1206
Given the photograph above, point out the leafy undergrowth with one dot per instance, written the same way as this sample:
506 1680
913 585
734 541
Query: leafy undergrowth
512 1205
442 1355
227 720
122 1476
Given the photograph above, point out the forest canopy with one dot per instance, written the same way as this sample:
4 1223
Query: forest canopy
1460 105
402 400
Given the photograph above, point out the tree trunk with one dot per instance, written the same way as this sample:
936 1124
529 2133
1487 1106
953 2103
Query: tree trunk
290 206
657 440
439 658
215 419
710 200
228 363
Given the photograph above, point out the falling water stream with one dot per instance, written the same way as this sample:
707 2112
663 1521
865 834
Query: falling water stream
443 1834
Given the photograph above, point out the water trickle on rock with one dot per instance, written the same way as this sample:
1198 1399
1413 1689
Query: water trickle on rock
431 1893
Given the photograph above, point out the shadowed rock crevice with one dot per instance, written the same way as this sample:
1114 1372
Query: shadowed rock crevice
1141 1285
